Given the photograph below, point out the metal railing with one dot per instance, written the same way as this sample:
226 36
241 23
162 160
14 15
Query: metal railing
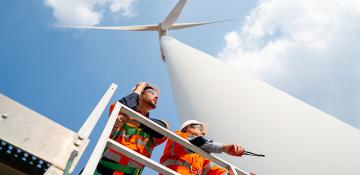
105 142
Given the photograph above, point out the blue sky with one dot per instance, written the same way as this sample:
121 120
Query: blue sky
62 73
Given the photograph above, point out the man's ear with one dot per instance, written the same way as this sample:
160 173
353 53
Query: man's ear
142 93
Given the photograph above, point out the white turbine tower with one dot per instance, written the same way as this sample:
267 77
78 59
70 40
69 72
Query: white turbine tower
297 138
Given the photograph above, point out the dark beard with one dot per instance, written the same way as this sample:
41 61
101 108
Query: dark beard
151 104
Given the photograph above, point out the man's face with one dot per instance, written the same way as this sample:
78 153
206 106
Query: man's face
150 97
196 130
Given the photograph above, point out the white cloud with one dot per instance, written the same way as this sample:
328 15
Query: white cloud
123 6
87 12
307 48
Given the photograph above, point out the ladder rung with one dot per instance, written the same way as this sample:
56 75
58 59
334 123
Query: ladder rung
140 158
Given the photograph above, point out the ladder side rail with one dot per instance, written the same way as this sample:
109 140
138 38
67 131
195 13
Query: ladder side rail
95 115
102 142
140 158
180 140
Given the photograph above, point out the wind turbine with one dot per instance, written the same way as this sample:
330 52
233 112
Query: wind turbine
296 137
163 27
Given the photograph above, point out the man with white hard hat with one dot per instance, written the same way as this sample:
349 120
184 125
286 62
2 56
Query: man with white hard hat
184 161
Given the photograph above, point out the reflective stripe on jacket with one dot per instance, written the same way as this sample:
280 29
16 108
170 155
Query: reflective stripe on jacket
210 169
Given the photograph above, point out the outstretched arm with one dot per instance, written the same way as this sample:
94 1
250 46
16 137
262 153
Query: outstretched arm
206 145
215 147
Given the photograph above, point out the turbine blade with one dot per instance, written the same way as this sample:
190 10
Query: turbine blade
128 28
178 26
173 15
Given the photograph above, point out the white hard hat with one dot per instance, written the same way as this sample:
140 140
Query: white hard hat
190 122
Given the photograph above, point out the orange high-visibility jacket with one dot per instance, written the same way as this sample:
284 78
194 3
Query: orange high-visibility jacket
134 138
186 162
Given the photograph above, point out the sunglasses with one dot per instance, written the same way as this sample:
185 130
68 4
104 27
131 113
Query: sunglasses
200 127
151 91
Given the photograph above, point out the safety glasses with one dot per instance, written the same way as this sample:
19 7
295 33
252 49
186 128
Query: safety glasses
151 91
200 127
